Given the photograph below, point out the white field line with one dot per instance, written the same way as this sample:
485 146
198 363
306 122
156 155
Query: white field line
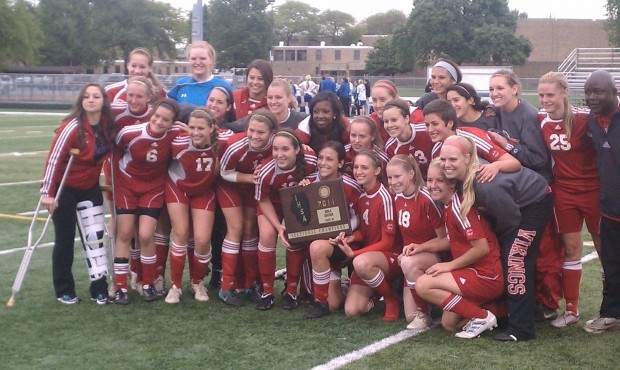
25 137
19 154
377 346
44 245
33 114
19 183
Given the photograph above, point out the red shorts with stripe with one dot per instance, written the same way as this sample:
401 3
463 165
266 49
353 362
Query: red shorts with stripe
570 209
394 270
131 198
204 202
477 288
230 195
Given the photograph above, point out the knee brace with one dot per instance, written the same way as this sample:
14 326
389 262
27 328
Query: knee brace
91 223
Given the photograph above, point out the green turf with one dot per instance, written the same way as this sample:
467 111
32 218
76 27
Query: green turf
39 333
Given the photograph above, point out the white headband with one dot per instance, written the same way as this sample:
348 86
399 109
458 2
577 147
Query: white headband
448 67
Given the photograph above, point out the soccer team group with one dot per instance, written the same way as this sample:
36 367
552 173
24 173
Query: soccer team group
472 208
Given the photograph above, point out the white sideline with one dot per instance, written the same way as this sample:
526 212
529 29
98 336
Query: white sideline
19 183
33 114
377 346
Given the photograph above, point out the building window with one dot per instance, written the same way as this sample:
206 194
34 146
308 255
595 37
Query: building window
302 55
337 55
278 55
356 55
319 54
289 55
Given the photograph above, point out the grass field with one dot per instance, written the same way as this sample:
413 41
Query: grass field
39 333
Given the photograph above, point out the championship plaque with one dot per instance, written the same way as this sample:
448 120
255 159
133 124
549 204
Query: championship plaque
316 211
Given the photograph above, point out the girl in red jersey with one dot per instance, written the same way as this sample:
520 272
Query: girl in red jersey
88 128
470 109
406 138
144 152
190 199
248 99
422 229
376 262
283 104
289 165
575 186
474 275
363 135
235 194
140 64
326 121
327 259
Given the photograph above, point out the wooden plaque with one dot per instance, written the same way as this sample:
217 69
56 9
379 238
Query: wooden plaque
317 211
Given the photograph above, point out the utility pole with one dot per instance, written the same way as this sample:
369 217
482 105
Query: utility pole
197 23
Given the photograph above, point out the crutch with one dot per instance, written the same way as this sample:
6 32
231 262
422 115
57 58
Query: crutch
110 229
23 268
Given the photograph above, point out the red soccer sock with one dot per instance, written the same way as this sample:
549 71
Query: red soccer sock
162 243
320 285
294 263
177 263
571 278
201 266
458 304
383 288
149 267
230 254
249 256
136 265
267 267
190 252
121 269
420 304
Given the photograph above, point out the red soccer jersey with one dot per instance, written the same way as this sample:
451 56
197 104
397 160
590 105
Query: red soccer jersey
239 156
144 157
192 169
419 146
418 217
474 227
485 146
117 91
244 105
272 179
350 156
376 210
574 159
124 117
415 116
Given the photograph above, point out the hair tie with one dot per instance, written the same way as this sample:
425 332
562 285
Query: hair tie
288 134
448 67
224 90
463 89
387 86
457 144
134 81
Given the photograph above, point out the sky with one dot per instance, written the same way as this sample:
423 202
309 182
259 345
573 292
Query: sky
360 9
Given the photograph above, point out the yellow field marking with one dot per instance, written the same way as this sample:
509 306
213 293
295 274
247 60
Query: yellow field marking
15 217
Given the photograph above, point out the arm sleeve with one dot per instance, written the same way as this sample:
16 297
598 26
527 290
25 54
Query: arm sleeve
57 159
531 149
385 244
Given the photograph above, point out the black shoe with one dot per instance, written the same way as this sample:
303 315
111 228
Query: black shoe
544 313
266 302
149 293
100 299
253 294
121 297
319 310
215 283
507 337
230 297
289 302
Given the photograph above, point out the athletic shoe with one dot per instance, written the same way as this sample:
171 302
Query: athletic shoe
253 294
150 295
319 310
601 325
160 286
544 313
100 299
68 299
506 337
477 326
121 297
133 281
266 302
216 280
280 274
174 295
566 319
420 323
289 302
230 297
200 292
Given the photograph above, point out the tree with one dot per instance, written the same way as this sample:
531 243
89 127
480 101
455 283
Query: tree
295 19
612 25
20 33
334 25
240 31
383 23
464 30
380 61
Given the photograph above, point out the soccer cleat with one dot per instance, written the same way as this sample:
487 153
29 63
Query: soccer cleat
289 302
506 337
566 319
253 293
149 293
420 323
216 280
200 292
477 326
174 295
266 302
100 299
160 286
230 297
319 310
121 297
68 299
544 313
601 324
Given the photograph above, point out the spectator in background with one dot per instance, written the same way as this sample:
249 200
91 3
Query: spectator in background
344 93
328 84
308 90
368 99
361 97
